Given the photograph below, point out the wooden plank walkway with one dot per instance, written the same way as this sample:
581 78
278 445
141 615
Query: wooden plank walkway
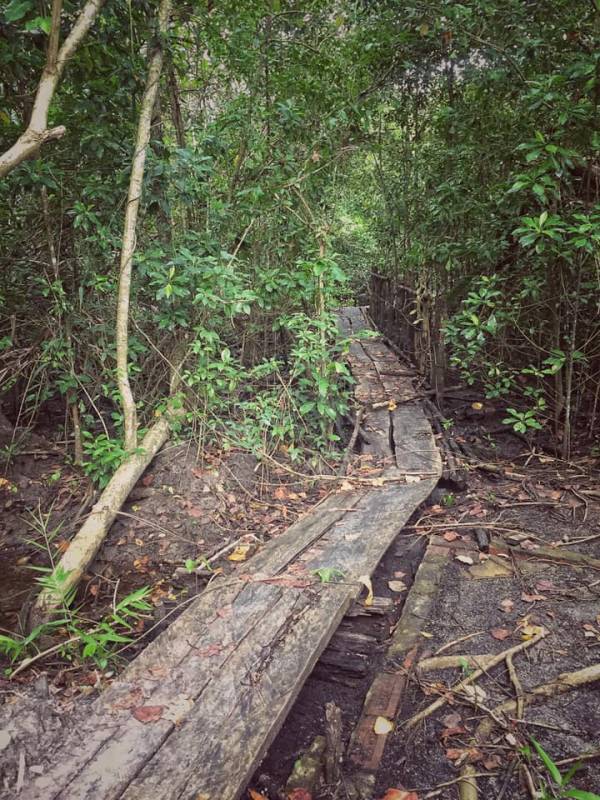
193 715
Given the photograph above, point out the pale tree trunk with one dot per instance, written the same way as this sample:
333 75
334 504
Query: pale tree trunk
129 237
37 132
86 543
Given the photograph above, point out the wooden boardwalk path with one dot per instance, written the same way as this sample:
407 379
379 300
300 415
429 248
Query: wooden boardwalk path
194 714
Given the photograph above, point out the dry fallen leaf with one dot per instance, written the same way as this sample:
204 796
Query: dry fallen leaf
500 633
366 582
532 598
453 731
397 586
450 536
399 794
211 650
452 720
464 559
382 726
529 631
507 605
256 795
240 553
300 794
147 714
492 762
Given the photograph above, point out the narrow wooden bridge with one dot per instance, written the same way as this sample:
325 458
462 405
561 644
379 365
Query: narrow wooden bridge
194 714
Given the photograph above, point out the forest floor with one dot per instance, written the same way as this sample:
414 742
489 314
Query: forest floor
223 507
193 505
484 601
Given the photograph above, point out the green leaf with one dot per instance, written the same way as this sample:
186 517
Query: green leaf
17 9
579 794
548 763
328 574
39 24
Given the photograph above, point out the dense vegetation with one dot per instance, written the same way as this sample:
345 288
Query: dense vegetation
295 149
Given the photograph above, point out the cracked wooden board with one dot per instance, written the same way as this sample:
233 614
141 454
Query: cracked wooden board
193 715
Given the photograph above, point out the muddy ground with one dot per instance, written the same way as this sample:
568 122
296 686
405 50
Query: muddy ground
193 505
489 599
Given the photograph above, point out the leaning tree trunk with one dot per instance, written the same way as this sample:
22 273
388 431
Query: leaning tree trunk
87 541
131 215
37 132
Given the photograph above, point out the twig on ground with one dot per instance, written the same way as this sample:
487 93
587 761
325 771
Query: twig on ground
514 678
441 701
448 645
452 662
349 450
467 786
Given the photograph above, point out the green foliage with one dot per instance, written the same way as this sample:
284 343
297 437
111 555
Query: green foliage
82 641
329 574
103 456
559 788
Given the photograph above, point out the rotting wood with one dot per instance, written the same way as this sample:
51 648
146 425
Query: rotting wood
333 738
221 679
308 769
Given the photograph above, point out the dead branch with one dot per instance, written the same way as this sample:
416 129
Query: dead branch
441 701
433 663
561 684
87 541
333 738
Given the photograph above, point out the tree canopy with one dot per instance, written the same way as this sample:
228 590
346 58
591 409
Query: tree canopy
295 151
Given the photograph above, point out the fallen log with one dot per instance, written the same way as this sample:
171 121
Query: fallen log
87 541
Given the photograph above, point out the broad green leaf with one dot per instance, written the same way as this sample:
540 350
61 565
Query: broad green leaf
17 9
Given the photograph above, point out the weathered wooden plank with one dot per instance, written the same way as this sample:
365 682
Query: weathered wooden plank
356 544
279 552
107 749
214 752
414 444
